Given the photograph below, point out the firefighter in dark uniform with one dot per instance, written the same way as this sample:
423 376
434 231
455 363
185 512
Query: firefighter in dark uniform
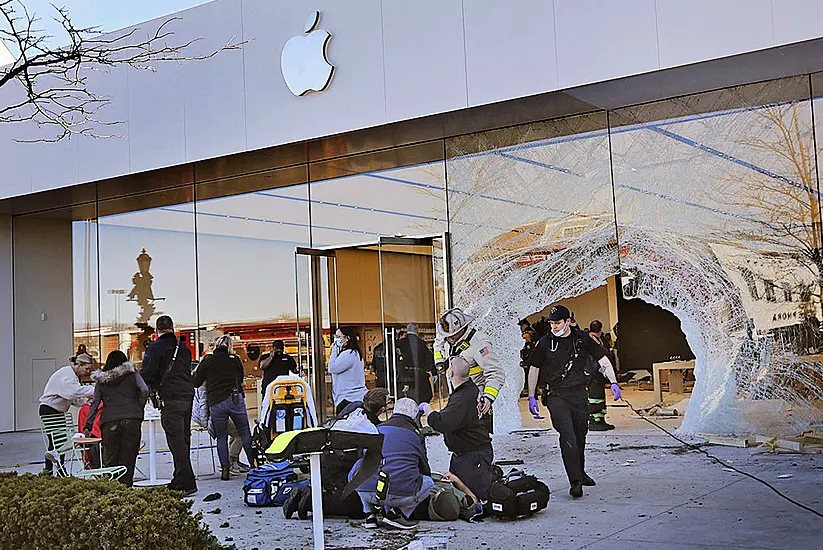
559 364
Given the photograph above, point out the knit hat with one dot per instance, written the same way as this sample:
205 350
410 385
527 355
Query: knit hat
84 358
406 406
443 505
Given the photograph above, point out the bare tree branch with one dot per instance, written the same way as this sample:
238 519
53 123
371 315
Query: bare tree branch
53 81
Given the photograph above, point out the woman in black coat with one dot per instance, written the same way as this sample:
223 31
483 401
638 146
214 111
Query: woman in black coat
122 391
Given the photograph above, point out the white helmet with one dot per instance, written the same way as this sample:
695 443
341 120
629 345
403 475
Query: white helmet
452 322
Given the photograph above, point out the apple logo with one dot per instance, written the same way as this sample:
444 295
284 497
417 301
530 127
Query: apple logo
303 59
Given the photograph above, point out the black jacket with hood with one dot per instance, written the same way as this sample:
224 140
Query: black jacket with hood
122 392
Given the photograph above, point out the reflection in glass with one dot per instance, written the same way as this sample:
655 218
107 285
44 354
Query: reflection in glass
148 254
360 208
85 290
246 272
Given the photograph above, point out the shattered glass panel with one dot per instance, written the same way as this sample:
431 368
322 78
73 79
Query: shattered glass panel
718 216
532 221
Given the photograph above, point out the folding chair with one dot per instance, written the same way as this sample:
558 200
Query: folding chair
197 428
57 430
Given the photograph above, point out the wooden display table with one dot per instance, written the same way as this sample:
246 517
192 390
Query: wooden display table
675 383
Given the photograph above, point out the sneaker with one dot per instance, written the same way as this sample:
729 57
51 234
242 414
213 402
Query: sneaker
576 490
371 522
397 520
238 468
587 481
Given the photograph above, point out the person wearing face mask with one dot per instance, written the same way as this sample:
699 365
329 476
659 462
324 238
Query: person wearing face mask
456 338
558 363
348 375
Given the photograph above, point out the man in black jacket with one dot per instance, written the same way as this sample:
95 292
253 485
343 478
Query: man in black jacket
276 363
167 369
558 364
417 364
466 436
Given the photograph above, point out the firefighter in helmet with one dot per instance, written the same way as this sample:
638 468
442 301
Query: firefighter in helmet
455 337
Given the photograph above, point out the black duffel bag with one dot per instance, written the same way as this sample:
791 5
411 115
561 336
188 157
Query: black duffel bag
516 495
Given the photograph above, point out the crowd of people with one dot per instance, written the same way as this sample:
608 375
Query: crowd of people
567 369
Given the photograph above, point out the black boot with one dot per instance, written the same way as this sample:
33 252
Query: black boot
304 506
225 474
600 426
587 481
576 489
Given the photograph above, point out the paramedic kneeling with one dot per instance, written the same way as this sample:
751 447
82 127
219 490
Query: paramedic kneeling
559 362
466 436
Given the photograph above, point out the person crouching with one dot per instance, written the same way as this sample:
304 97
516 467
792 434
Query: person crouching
465 435
407 467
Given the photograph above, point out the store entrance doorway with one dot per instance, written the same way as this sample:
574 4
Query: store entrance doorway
377 289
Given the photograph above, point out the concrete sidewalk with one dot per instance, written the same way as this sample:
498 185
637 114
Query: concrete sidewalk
651 493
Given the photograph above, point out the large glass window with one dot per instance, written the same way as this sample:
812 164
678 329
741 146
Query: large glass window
246 265
716 199
147 268
532 222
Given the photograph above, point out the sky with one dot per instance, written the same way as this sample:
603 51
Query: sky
109 15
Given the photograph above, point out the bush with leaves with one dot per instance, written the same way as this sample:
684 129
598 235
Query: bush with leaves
40 511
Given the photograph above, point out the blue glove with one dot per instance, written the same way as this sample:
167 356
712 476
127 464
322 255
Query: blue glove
421 407
533 407
616 392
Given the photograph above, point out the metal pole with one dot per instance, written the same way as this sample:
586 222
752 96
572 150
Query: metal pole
316 501
152 453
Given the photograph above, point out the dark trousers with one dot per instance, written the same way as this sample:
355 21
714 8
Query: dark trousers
569 412
336 507
45 410
475 469
92 456
597 398
176 421
121 443
233 407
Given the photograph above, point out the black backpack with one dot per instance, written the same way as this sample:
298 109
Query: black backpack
516 495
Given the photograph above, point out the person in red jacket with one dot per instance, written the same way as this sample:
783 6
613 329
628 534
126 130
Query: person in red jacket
91 456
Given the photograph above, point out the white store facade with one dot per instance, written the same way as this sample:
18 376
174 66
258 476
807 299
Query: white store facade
476 127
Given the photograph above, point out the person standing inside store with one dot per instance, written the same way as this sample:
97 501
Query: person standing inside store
222 371
81 349
455 337
597 382
417 365
529 342
465 435
64 389
276 363
123 394
348 375
167 371
559 363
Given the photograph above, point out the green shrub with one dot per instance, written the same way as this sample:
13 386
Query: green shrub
40 511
